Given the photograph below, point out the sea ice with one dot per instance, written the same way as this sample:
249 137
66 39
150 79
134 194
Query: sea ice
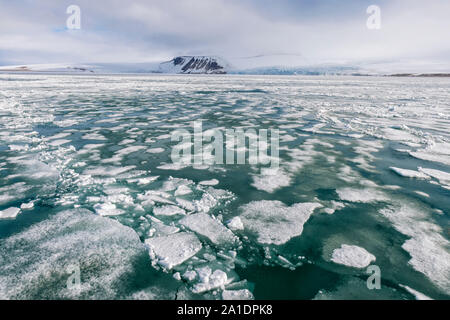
27 206
352 256
9 213
441 176
409 173
235 224
107 209
415 293
42 254
427 247
209 280
242 294
210 228
155 150
275 223
211 182
173 249
361 195
271 179
168 210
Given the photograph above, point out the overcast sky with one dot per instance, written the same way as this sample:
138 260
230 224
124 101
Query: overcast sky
34 31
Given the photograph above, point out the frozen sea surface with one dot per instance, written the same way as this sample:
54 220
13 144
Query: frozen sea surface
87 187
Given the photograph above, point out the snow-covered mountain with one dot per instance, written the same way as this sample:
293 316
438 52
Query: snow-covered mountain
260 65
195 65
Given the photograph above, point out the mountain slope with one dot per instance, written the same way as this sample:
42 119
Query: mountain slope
194 65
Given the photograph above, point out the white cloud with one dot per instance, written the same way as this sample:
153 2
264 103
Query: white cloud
115 31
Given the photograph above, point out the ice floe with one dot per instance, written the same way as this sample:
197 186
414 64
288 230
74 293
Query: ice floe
42 257
352 256
271 179
427 247
361 195
409 173
9 213
107 209
415 293
172 250
242 294
275 223
441 176
168 210
211 182
211 228
210 280
235 224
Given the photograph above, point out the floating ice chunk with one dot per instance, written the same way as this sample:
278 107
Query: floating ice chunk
155 196
334 205
58 136
271 179
438 152
423 194
9 213
40 256
427 247
424 155
107 171
211 182
287 138
441 176
275 223
211 198
126 141
210 228
235 224
174 166
177 276
173 249
190 275
94 136
15 147
352 256
27 206
210 280
155 150
173 183
160 229
107 209
56 143
243 294
147 180
182 190
409 173
163 136
169 210
285 261
185 204
399 134
361 195
415 293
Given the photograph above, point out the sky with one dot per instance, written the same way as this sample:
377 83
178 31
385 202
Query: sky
328 31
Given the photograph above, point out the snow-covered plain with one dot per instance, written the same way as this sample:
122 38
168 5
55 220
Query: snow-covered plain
87 180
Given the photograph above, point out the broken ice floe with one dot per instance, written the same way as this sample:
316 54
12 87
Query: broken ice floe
352 256
214 230
172 250
275 223
9 213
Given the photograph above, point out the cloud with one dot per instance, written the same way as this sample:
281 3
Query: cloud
139 31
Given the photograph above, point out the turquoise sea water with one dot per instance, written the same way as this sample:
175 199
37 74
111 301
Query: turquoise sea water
87 183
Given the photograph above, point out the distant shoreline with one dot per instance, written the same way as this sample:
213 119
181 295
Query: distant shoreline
428 75
90 73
